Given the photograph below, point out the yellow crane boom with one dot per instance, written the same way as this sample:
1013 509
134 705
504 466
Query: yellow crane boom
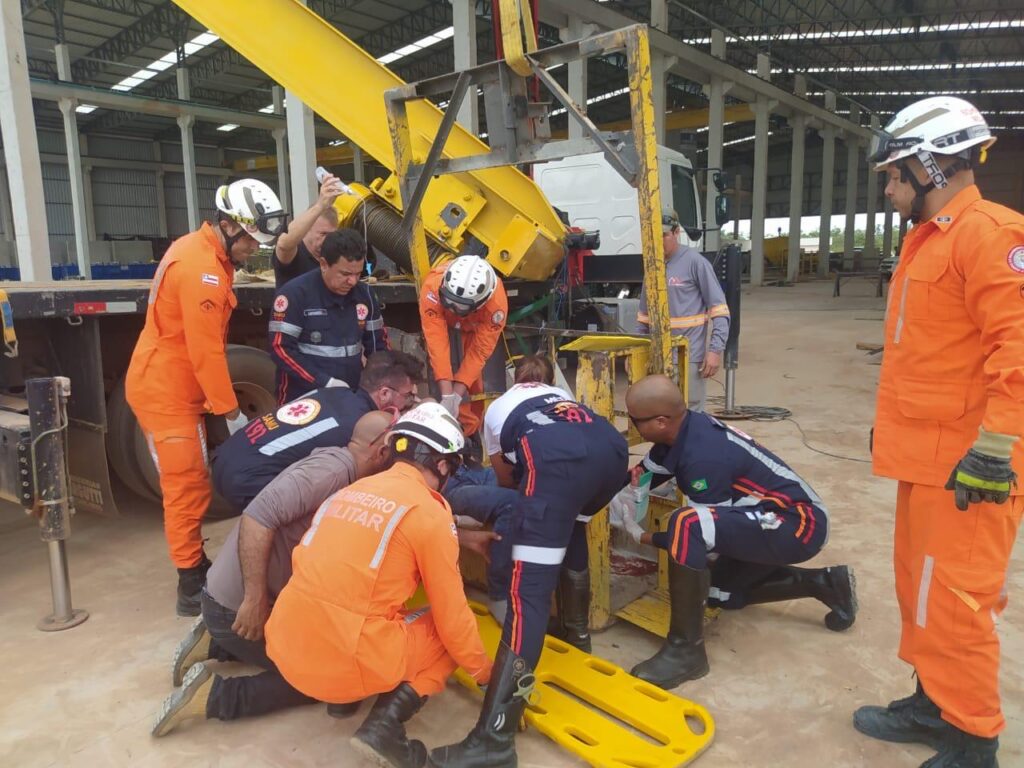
501 207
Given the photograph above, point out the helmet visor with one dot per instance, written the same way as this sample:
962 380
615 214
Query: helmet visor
272 224
884 145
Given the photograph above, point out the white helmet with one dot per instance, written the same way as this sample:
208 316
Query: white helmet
468 283
431 425
254 205
941 124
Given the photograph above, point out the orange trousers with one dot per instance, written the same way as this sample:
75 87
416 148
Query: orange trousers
471 413
951 586
428 664
178 446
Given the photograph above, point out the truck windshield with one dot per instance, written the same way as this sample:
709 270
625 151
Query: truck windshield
684 198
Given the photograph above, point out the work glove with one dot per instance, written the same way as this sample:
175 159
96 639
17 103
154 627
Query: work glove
984 473
337 383
451 403
622 512
236 423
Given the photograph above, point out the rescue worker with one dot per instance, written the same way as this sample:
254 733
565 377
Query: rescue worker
749 518
567 463
249 573
466 296
324 323
696 303
247 461
948 424
298 248
340 631
179 369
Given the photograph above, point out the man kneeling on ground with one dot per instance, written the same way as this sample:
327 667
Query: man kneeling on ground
249 573
749 518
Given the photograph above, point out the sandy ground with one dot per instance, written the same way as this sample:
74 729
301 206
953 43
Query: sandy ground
782 688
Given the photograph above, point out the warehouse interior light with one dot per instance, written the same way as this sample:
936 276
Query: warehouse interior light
970 26
419 45
166 61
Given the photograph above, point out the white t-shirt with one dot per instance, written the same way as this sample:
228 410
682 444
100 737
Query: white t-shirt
499 411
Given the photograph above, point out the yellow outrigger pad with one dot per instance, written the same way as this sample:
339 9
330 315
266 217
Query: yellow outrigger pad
605 343
600 712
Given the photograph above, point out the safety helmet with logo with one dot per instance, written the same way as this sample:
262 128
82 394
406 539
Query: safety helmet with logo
427 434
939 125
254 206
468 282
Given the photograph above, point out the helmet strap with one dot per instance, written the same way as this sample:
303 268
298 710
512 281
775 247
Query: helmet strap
938 179
230 240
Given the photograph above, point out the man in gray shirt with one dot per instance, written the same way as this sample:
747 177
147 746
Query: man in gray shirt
695 301
255 563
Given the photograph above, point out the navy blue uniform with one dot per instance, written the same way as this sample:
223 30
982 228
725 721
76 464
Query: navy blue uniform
745 505
568 465
248 460
303 262
317 335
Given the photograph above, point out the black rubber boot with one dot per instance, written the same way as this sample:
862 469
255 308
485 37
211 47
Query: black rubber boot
190 587
965 750
574 608
382 737
835 587
682 657
491 743
914 719
341 711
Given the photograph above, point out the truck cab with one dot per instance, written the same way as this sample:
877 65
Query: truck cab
595 197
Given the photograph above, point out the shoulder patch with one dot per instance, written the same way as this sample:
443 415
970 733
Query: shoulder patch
209 279
362 311
498 317
1015 258
700 484
298 412
281 303
207 306
431 297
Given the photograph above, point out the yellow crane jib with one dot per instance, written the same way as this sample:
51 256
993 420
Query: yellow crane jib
296 47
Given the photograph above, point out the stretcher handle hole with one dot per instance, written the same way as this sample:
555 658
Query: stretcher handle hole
695 723
599 665
634 728
651 692
579 735
555 645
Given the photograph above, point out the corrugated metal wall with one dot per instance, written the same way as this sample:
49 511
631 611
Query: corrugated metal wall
124 200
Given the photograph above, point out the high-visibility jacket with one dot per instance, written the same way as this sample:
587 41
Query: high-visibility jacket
338 629
481 330
954 342
180 365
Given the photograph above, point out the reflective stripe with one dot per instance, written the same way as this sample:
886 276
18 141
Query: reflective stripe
584 518
782 471
538 555
319 350
719 310
396 518
285 442
278 326
707 525
899 318
202 444
375 325
411 617
316 521
714 593
689 321
158 278
152 451
923 589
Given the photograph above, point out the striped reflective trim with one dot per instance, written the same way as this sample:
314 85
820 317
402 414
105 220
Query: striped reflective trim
152 451
899 318
656 468
158 278
278 326
202 444
375 325
419 612
714 593
308 537
584 518
781 471
707 525
382 548
923 589
285 442
719 310
689 321
319 350
538 555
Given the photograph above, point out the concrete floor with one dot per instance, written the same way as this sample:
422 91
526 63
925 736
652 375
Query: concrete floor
782 688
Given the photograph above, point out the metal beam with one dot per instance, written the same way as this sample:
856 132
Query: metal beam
75 172
762 110
796 187
828 172
852 167
102 97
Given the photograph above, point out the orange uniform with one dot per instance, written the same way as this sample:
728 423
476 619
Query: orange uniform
178 372
953 362
481 330
339 631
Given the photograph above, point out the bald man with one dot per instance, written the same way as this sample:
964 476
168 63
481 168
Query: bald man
251 570
749 517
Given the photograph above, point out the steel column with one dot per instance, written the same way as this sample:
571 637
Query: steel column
887 229
852 168
716 121
762 110
188 153
21 147
281 148
75 176
577 77
796 184
464 41
828 183
872 203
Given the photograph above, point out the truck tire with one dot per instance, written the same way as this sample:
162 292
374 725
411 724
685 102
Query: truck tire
121 433
253 377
